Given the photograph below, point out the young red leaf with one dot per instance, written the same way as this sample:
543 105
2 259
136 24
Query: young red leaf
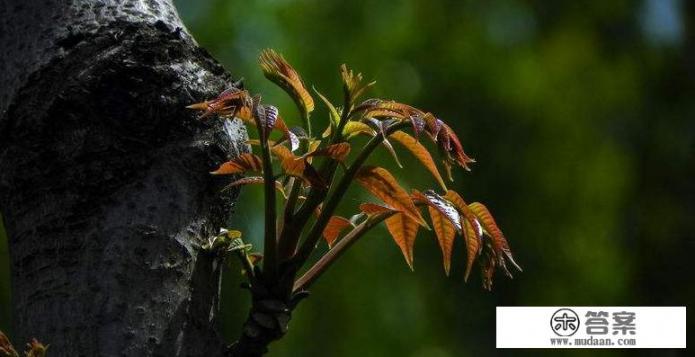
338 152
405 109
293 166
445 233
352 83
372 209
6 348
335 226
432 126
499 242
418 124
254 180
451 145
367 104
271 116
420 153
250 180
445 208
245 113
383 185
472 231
228 103
472 238
403 230
377 108
383 113
281 73
299 167
287 134
353 128
265 117
282 153
245 162
446 221
35 349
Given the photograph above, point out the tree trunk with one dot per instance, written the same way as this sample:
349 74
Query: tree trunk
104 180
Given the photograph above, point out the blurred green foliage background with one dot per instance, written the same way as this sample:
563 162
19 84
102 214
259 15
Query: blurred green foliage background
580 115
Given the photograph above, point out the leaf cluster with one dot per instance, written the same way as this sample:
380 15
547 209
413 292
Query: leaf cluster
313 172
34 348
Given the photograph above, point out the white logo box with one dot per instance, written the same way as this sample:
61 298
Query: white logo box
652 327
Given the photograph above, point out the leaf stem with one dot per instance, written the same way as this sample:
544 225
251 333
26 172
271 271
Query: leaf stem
270 241
337 251
327 171
344 116
306 122
287 245
291 233
331 203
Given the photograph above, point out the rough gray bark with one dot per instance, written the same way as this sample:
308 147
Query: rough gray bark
103 178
